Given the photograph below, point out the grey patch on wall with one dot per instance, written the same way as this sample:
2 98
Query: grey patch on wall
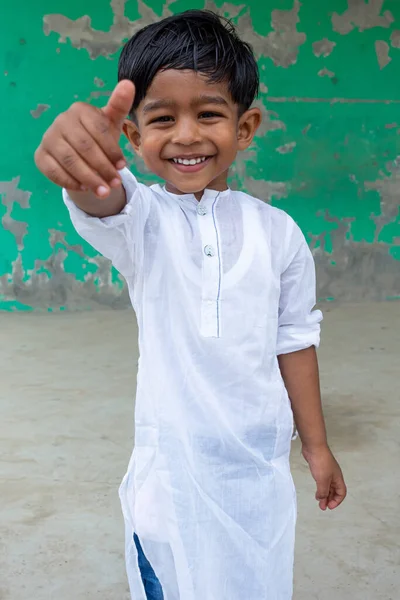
361 270
39 110
388 187
361 14
395 38
98 82
270 120
354 271
11 194
233 10
283 43
102 43
286 148
323 47
259 188
382 52
326 73
57 238
98 94
49 285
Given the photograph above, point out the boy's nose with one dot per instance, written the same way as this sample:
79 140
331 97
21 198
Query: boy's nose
186 132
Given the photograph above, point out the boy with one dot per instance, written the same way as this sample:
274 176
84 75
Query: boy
223 287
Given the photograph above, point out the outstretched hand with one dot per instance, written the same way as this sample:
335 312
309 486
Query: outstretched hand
80 150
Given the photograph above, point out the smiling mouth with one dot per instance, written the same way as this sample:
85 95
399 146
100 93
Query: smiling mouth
189 161
190 165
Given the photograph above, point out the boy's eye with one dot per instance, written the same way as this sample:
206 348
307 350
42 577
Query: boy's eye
163 119
209 115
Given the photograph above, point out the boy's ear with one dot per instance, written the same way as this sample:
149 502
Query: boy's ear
249 122
131 130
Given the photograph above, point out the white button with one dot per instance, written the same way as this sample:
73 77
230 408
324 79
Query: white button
209 250
201 210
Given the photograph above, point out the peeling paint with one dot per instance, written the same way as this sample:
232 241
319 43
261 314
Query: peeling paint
283 43
39 110
57 237
323 48
98 82
11 194
322 156
388 188
270 119
286 148
363 15
353 270
48 284
227 8
395 38
326 73
98 94
101 43
382 52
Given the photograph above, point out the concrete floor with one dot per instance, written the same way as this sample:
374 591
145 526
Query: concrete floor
66 406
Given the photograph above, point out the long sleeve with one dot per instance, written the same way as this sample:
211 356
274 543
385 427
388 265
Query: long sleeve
118 237
298 322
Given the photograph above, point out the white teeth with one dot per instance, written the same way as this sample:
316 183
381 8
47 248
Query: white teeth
191 161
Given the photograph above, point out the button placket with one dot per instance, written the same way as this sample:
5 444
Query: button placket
212 269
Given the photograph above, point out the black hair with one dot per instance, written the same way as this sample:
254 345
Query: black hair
198 40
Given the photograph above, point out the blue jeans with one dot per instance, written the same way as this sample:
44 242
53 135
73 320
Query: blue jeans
151 584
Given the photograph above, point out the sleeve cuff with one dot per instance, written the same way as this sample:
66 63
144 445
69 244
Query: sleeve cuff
293 338
131 187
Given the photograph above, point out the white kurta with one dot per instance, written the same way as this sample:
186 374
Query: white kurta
220 288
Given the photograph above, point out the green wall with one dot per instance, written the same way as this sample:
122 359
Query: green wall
328 151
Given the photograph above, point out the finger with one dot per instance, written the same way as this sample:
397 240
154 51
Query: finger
120 103
323 504
87 148
76 167
105 134
54 171
337 495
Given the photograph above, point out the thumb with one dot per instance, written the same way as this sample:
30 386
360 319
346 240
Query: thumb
322 495
120 102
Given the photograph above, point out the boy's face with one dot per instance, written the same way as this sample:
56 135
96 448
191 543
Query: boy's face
189 131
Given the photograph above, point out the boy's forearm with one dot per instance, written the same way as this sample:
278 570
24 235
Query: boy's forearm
100 207
301 376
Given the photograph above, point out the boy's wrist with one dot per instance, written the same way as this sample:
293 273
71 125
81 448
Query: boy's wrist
313 448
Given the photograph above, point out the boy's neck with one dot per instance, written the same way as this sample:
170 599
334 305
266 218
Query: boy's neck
219 185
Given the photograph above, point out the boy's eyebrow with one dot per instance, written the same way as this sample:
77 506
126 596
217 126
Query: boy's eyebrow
206 99
203 99
157 104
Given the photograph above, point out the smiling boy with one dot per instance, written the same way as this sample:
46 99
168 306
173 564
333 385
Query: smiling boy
223 287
